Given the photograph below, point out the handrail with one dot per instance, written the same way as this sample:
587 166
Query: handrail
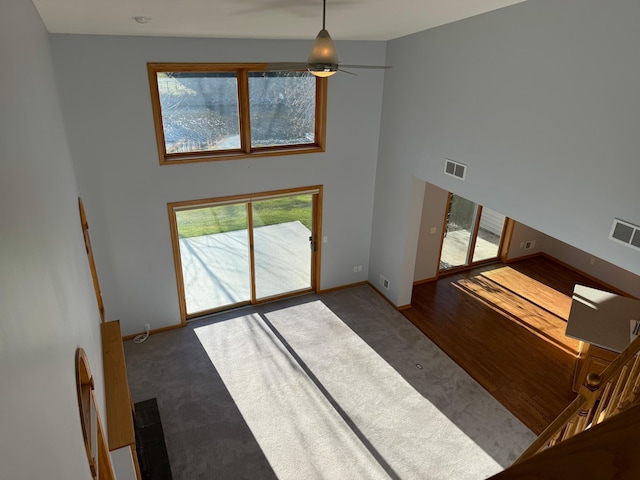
601 397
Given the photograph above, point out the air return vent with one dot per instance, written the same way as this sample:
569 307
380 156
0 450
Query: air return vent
455 169
626 233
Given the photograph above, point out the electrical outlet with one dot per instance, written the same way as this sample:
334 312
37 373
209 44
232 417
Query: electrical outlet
355 269
384 282
433 230
592 261
359 268
147 327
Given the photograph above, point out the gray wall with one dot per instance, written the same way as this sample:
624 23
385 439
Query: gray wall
540 100
104 92
47 305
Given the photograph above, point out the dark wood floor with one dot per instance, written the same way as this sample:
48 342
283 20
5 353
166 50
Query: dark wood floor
504 324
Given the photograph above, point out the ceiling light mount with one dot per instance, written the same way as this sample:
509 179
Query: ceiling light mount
142 19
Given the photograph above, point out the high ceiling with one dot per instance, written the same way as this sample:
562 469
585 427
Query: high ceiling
268 19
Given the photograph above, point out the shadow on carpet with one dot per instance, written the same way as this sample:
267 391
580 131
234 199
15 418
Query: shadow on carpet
150 444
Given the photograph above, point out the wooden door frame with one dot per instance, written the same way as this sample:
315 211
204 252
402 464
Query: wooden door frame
316 234
507 230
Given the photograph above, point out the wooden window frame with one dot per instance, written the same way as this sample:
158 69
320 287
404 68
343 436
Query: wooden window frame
316 236
246 151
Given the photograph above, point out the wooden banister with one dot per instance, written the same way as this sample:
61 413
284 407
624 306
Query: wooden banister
608 451
601 397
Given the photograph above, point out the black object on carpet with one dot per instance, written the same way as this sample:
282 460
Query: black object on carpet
150 445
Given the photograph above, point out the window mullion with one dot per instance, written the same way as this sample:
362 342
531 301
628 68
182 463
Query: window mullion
244 112
321 112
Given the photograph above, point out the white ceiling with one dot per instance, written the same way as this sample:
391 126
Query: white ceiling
273 19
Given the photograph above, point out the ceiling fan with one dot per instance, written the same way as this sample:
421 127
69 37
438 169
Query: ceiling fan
323 59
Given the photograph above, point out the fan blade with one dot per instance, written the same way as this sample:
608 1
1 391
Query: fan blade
364 66
286 66
346 71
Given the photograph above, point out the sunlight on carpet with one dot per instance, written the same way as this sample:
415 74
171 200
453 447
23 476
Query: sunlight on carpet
323 404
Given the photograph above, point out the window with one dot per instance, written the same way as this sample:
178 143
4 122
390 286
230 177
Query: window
205 112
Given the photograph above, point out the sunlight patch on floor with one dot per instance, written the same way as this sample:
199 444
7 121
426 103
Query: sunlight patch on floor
323 404
526 301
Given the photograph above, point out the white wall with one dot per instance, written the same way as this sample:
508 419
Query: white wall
47 306
605 272
107 109
540 100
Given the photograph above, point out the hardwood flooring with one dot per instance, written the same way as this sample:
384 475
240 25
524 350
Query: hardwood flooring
504 324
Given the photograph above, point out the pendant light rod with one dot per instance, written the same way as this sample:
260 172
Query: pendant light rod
324 12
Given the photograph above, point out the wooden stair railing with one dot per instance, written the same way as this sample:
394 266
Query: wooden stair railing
608 451
600 398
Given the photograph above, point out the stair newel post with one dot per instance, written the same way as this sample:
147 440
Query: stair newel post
592 393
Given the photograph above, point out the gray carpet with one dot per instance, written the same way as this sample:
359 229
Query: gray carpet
335 386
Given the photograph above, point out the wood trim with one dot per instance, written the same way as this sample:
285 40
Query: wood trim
100 465
244 111
426 280
246 151
203 67
238 198
151 332
92 263
533 255
105 466
591 359
197 157
472 243
177 261
315 190
342 287
317 233
157 112
322 86
116 385
590 277
471 249
252 253
507 236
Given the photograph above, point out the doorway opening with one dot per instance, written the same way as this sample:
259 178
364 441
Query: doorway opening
249 249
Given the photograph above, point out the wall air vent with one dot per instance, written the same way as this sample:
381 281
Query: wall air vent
455 169
625 232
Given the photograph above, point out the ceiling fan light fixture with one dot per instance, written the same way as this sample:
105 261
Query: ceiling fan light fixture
322 70
323 52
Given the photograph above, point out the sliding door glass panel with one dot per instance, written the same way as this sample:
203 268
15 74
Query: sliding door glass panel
214 252
282 249
461 221
487 244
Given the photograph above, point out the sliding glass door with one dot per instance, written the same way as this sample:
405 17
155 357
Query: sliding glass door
214 255
241 250
282 244
472 234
